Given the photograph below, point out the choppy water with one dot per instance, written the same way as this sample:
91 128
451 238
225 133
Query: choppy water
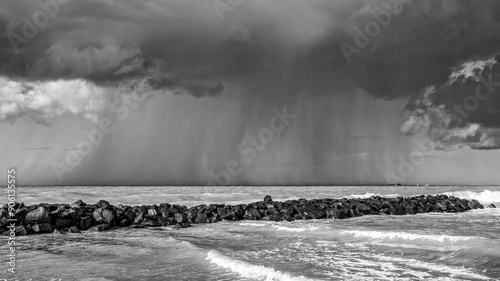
464 246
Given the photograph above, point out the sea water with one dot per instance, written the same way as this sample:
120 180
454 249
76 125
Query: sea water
435 246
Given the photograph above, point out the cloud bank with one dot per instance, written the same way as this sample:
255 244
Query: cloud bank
270 50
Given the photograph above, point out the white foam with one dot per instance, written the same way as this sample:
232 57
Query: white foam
369 194
251 271
295 229
393 235
251 224
486 196
451 271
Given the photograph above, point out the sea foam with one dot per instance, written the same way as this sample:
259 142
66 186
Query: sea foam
250 271
484 196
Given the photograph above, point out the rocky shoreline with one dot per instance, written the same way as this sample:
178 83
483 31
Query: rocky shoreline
74 218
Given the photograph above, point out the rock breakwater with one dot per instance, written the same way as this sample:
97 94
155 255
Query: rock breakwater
79 216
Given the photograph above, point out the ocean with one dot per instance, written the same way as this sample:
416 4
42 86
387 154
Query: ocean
434 246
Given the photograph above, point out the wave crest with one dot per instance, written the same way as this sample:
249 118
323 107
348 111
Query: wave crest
486 196
250 271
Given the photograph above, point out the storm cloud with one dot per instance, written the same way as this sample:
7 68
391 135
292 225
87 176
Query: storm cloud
267 50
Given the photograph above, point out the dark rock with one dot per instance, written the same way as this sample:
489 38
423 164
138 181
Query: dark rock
474 204
164 221
139 217
464 204
85 223
491 206
130 215
214 218
363 208
275 217
78 203
103 204
335 213
64 222
152 212
165 205
310 211
173 211
124 222
102 215
181 218
252 214
268 198
226 214
353 213
191 214
3 222
39 215
201 218
441 206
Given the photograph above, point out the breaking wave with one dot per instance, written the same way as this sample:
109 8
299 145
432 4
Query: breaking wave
484 196
250 271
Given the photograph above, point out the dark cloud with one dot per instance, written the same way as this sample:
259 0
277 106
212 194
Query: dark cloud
263 49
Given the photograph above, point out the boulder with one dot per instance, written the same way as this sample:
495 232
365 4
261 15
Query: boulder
201 218
139 217
491 206
85 223
39 215
64 222
226 214
363 208
78 203
275 217
268 198
103 204
182 219
102 215
164 221
152 212
252 214
310 211
130 215
474 204
124 222
335 213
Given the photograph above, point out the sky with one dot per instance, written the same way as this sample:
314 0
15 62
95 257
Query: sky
262 92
